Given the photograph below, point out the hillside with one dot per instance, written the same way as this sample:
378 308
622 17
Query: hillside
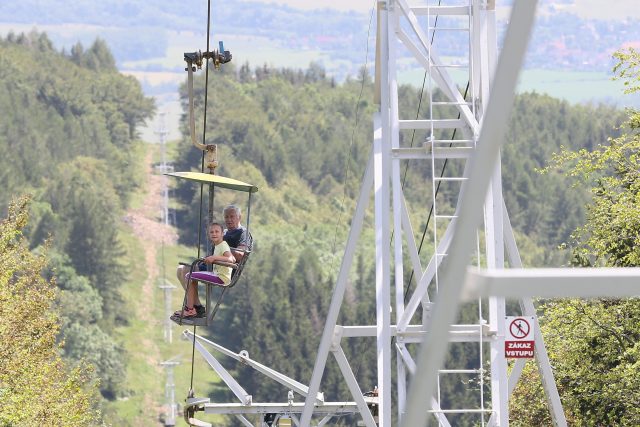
69 126
294 132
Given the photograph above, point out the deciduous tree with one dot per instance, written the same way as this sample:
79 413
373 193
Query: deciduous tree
594 345
36 386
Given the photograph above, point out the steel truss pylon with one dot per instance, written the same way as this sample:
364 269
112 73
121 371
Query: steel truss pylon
482 121
481 127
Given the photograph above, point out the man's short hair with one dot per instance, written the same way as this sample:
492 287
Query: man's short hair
233 208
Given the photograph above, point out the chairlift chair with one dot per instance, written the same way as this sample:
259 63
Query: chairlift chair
208 279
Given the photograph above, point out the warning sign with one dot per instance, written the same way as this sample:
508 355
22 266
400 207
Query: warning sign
519 339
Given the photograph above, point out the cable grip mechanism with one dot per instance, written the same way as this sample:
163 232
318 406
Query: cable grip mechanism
195 59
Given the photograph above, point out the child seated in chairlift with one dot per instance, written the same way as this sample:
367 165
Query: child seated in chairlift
221 274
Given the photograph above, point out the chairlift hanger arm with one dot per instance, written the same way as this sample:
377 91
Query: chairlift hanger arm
194 61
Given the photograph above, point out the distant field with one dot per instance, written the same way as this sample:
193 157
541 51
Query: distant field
577 87
162 74
574 86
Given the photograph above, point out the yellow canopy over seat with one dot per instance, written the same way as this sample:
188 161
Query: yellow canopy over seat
217 180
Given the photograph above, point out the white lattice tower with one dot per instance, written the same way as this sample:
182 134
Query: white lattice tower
405 28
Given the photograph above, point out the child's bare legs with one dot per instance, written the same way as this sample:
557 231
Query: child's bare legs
192 294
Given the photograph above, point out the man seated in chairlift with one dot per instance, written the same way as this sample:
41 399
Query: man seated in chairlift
235 234
221 252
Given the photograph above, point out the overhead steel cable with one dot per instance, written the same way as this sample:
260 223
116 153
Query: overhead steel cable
204 141
353 133
426 227
444 166
348 161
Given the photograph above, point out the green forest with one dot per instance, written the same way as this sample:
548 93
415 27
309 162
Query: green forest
73 166
69 145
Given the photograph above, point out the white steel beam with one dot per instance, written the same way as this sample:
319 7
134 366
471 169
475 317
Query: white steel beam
411 244
441 10
244 421
515 373
432 124
427 276
286 381
382 204
425 153
405 356
325 408
241 394
494 125
325 420
398 219
494 241
353 386
553 282
338 292
442 79
415 333
440 75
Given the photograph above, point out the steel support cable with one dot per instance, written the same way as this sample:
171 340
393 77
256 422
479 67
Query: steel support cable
426 227
204 138
348 161
353 132
413 134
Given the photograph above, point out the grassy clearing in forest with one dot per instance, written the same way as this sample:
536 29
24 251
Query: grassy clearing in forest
144 337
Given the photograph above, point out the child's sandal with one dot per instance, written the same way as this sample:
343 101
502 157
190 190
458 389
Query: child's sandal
186 312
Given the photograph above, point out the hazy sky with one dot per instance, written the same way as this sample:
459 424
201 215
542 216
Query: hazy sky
615 9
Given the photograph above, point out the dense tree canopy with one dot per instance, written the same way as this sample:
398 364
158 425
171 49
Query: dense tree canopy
68 125
36 386
78 106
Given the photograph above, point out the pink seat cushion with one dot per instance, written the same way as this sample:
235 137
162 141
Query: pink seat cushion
205 276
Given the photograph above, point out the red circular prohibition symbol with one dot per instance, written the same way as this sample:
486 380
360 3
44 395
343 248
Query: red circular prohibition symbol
519 328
